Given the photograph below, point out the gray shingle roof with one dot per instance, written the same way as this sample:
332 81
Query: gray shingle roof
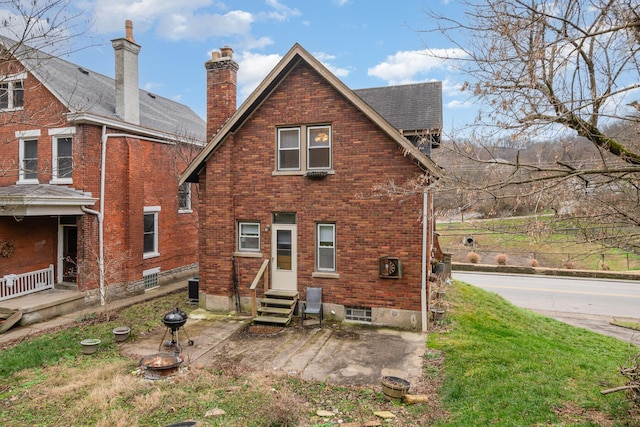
85 91
412 107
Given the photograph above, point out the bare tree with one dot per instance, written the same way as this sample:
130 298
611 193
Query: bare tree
545 70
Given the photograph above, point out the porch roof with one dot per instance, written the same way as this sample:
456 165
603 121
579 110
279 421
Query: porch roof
42 199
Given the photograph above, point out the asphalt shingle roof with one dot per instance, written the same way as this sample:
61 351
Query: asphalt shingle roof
412 107
86 91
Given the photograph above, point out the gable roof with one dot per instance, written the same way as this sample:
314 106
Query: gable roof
292 58
412 108
83 91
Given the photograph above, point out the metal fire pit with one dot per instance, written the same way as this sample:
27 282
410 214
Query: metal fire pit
160 365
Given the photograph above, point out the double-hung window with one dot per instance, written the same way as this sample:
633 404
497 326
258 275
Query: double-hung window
151 231
28 146
249 237
12 91
62 152
184 197
318 147
326 250
304 148
289 149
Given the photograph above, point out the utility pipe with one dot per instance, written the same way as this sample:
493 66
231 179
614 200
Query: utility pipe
100 214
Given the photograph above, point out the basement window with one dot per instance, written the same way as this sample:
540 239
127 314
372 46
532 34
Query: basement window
150 278
358 314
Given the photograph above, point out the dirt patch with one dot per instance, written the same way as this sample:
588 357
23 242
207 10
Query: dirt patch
264 329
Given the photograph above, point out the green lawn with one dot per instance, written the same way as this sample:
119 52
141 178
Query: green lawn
487 363
509 366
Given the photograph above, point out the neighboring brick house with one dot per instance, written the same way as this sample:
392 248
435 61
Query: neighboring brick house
289 177
89 169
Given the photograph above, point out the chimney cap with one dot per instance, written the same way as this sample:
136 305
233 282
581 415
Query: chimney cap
226 51
128 27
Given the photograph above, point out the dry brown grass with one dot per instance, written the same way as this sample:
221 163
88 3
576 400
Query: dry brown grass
501 259
473 257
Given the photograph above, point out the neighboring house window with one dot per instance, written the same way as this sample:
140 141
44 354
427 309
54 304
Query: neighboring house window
62 151
319 147
28 142
289 149
249 237
184 197
326 255
304 148
151 231
12 92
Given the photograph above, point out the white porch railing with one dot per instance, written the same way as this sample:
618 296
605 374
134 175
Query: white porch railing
15 285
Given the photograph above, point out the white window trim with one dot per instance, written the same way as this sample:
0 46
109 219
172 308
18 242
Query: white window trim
318 268
188 208
25 135
10 79
153 210
300 151
248 250
56 133
308 147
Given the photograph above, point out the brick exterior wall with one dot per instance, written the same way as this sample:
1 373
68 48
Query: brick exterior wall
139 173
238 184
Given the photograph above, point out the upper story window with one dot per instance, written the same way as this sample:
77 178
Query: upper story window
303 148
184 197
28 146
151 231
62 152
12 91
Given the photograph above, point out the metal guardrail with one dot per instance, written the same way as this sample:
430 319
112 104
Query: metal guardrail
15 285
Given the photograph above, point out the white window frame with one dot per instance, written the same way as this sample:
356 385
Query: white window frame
152 210
187 207
320 226
298 148
56 134
322 147
10 81
242 235
27 135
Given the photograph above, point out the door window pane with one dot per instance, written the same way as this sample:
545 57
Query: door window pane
283 250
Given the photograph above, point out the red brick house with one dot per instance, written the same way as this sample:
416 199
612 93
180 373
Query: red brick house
287 180
89 168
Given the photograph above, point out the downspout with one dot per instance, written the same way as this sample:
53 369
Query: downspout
427 242
100 214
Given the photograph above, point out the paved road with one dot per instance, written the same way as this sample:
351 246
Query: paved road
584 302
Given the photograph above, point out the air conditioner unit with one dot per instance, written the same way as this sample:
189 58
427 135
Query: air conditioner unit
390 267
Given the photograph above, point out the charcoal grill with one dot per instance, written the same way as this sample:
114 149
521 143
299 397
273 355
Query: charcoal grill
174 321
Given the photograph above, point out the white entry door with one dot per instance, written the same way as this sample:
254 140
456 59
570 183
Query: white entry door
284 256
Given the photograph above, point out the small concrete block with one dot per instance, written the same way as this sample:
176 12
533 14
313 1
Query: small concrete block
323 413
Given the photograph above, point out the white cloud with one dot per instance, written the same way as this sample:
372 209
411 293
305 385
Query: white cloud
281 12
189 26
254 67
411 66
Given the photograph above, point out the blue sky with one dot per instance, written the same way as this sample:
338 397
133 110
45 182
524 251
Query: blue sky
366 43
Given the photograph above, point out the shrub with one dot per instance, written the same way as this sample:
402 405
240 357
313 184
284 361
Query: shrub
533 262
569 265
605 267
473 257
501 259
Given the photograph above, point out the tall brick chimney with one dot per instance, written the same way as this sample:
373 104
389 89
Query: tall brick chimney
127 86
222 81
